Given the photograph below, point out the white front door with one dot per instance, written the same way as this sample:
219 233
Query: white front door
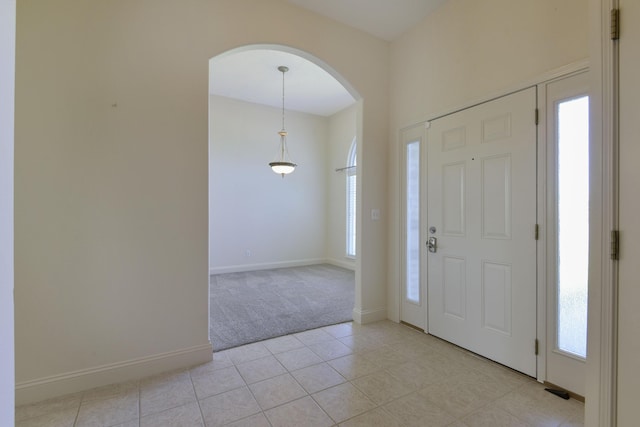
567 115
481 210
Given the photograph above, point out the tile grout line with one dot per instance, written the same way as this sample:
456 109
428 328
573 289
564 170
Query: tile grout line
251 391
322 409
75 420
290 373
402 345
139 404
347 381
193 386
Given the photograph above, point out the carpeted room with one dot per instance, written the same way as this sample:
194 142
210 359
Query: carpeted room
278 255
253 306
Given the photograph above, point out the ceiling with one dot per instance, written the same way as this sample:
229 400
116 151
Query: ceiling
385 19
253 75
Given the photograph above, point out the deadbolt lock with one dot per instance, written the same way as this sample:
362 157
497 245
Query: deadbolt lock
432 244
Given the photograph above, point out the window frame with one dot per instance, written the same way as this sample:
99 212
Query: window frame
351 201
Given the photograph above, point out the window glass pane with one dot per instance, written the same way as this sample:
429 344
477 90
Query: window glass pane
573 224
412 222
351 215
351 201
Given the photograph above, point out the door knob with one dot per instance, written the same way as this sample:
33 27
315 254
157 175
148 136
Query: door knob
432 244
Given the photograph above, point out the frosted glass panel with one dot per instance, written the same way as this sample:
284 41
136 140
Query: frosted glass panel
413 223
573 224
351 215
351 200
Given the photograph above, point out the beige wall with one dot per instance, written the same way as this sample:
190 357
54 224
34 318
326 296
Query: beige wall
466 51
257 218
251 207
77 155
111 173
7 63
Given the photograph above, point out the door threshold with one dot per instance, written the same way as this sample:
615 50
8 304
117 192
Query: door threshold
417 328
571 394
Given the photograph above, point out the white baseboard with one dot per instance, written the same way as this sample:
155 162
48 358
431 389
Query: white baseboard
85 379
266 266
369 316
349 265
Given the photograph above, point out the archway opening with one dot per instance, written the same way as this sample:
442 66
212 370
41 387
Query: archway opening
277 246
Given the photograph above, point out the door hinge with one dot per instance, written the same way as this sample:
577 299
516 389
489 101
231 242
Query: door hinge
615 24
536 232
615 245
536 346
537 116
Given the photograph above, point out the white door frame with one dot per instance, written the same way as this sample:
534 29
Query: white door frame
543 206
603 281
411 134
600 409
547 198
7 114
601 317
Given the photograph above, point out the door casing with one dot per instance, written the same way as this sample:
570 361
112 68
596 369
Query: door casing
569 69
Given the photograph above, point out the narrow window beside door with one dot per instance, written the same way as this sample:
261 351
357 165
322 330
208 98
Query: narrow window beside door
573 224
351 202
412 222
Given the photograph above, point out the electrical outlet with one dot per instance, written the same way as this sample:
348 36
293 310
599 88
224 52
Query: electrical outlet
247 253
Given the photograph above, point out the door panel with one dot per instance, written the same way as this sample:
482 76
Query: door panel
496 292
496 197
455 287
453 206
481 200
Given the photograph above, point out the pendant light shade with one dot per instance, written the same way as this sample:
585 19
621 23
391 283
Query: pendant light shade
283 164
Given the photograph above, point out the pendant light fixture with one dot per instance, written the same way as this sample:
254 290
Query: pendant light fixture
283 164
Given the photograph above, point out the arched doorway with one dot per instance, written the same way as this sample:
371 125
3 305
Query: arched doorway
258 221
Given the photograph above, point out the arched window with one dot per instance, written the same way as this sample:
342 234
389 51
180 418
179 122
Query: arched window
351 201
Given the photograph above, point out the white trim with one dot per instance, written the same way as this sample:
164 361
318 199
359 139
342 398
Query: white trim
7 115
266 266
369 316
84 379
601 398
351 200
548 94
560 72
541 249
348 263
574 67
406 313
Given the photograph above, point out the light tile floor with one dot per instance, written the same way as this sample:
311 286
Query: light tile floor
350 375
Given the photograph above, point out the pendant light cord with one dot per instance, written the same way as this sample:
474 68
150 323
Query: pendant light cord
283 165
283 99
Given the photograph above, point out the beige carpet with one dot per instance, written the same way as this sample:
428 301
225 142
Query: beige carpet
257 305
